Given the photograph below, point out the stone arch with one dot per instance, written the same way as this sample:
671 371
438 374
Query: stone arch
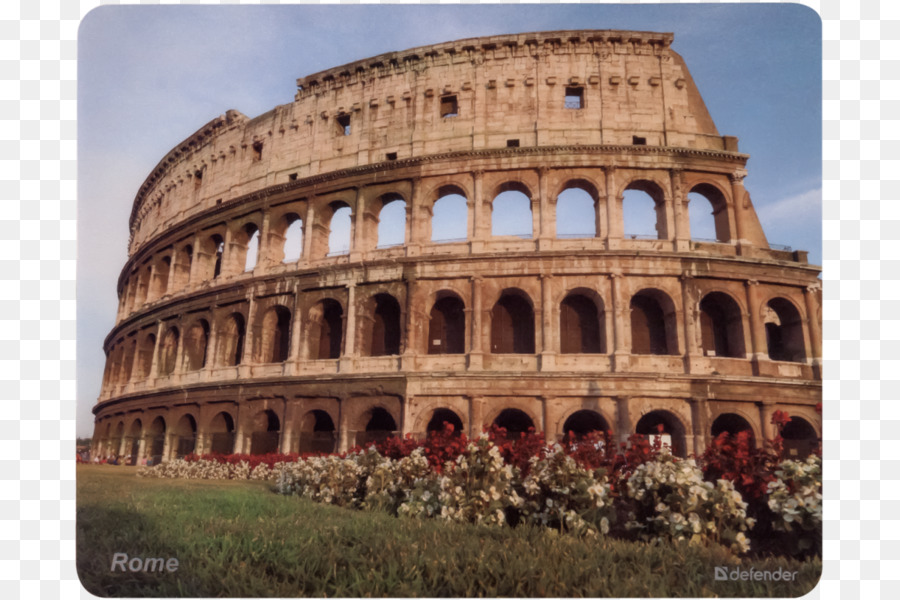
654 323
515 421
673 430
381 326
447 325
265 432
156 440
582 323
168 351
721 326
800 438
637 220
377 423
583 422
221 433
325 329
449 214
512 323
196 345
340 228
440 417
732 423
577 205
275 336
391 220
713 225
318 434
511 210
185 436
231 339
784 331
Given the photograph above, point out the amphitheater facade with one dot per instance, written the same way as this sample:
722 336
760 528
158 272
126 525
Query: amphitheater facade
342 267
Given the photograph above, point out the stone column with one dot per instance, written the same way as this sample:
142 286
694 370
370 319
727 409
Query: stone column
299 330
810 295
136 359
766 410
689 316
195 261
410 341
249 342
154 359
287 430
476 416
682 215
350 325
621 311
142 449
699 423
264 251
476 352
736 222
358 242
415 214
623 420
482 229
757 327
343 426
306 255
173 269
230 261
405 420
543 221
615 226
212 342
549 334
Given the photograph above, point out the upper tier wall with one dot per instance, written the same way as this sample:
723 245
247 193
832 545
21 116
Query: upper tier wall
623 88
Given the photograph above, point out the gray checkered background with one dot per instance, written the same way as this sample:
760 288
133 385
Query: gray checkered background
37 322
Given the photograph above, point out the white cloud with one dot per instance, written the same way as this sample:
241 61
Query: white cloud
791 208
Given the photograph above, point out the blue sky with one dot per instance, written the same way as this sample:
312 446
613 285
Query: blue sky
149 76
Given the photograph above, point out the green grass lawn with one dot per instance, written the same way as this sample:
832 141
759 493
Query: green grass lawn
239 538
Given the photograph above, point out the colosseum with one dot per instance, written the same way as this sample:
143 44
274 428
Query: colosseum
396 249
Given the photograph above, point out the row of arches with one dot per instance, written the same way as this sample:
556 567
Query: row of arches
316 432
286 233
512 321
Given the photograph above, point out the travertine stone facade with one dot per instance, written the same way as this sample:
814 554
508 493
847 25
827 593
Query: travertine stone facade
246 325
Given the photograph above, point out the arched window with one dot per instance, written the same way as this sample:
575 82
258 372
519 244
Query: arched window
196 342
293 238
317 433
576 215
442 417
583 422
231 340
708 212
731 424
784 331
721 326
167 352
653 324
663 425
512 325
392 222
221 431
276 335
643 211
449 221
326 329
384 338
266 433
580 326
514 421
380 426
511 213
156 440
800 439
339 231
447 327
252 248
185 436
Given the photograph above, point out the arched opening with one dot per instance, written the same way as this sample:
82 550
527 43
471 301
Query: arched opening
185 436
276 335
581 324
653 324
644 211
784 331
251 249
326 330
447 326
511 212
576 211
266 433
318 434
731 424
380 426
133 444
708 213
800 439
339 231
450 215
293 238
444 416
384 338
145 355
721 326
231 340
584 422
512 325
392 222
666 427
221 434
514 421
156 441
168 352
197 341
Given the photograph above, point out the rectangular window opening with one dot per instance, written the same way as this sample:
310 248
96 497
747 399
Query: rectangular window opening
343 122
575 97
638 141
292 177
391 156
257 150
449 106
512 143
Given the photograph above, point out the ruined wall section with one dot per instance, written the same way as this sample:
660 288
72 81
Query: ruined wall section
508 90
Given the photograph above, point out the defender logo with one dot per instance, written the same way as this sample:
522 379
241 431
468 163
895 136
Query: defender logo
739 574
